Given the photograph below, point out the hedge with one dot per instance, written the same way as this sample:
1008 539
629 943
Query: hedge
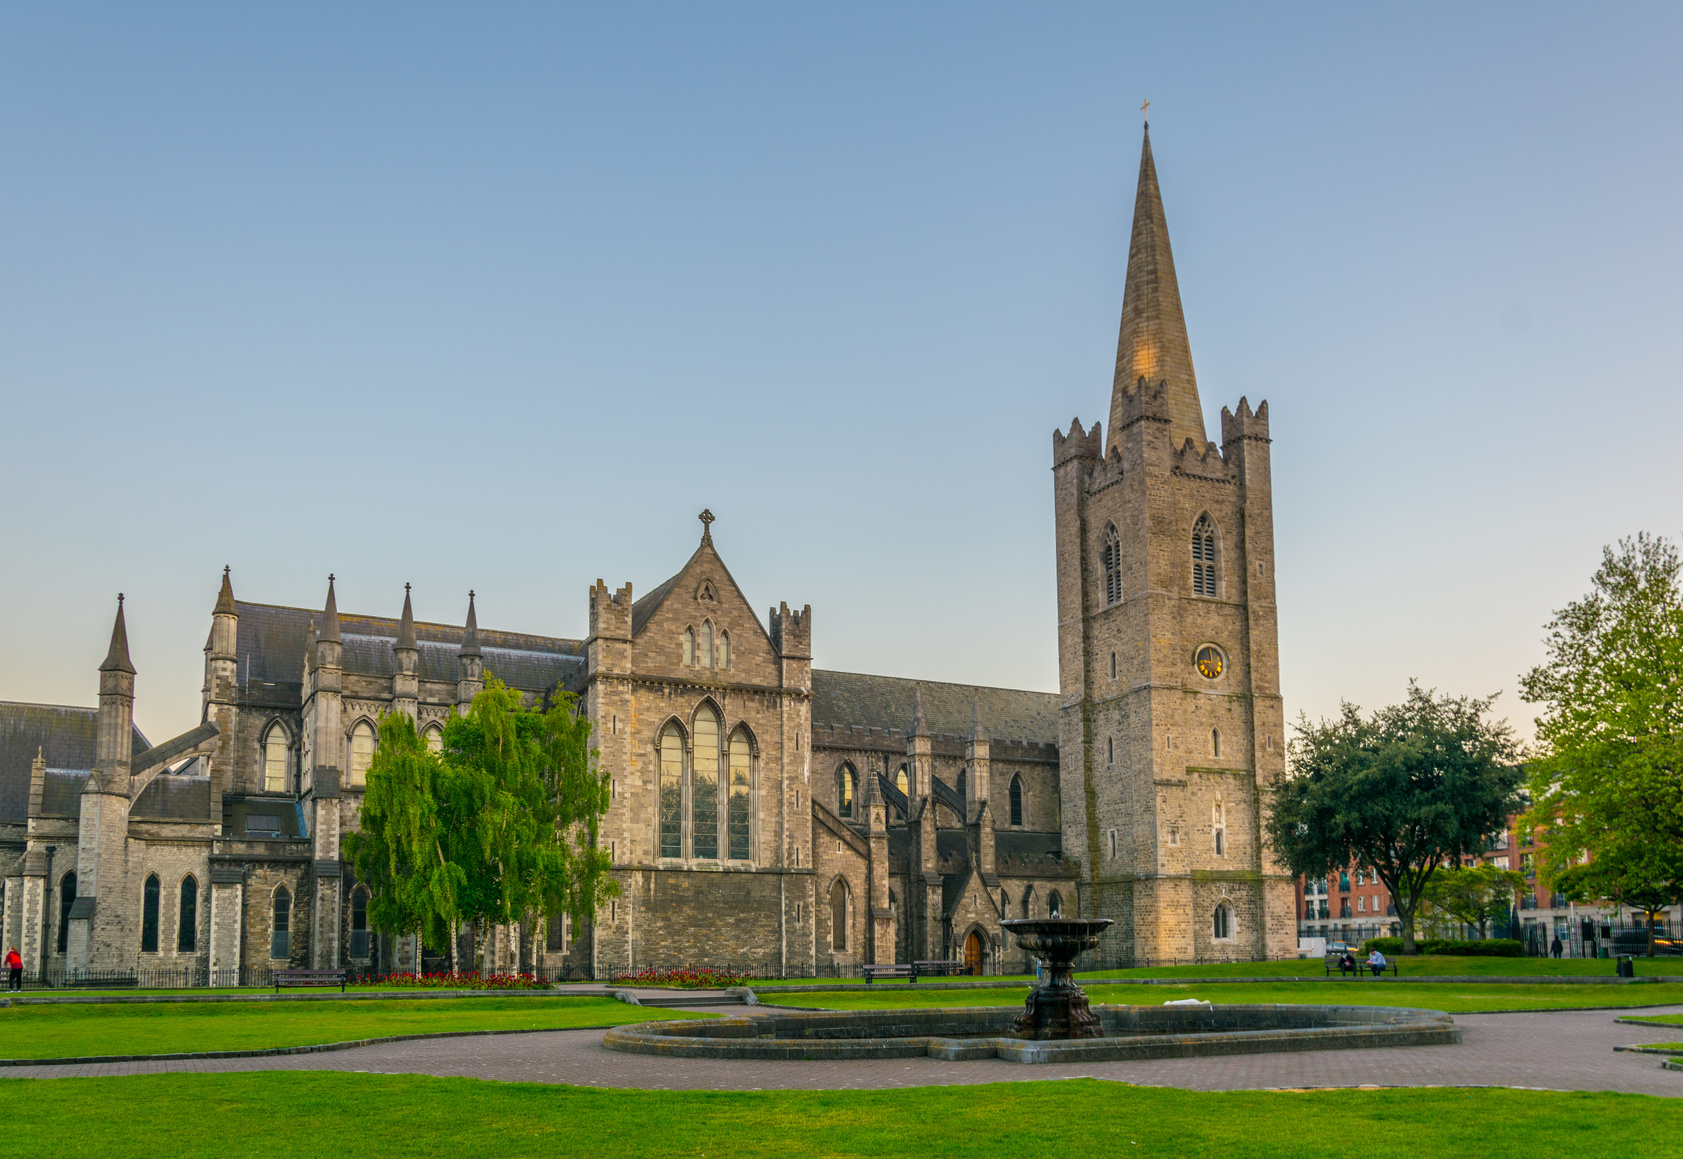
1488 948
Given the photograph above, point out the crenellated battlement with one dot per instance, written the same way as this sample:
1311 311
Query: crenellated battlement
1106 473
1246 424
791 632
1078 444
610 614
1146 399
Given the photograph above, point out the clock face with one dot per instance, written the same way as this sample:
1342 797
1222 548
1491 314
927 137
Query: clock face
1209 662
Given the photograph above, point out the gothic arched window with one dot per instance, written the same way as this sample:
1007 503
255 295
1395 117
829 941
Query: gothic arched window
1206 573
1112 557
838 915
280 928
704 780
960 785
1016 800
845 783
66 899
149 915
1215 741
1055 905
1223 924
362 752
434 738
187 917
689 647
739 823
671 745
724 649
904 784
274 760
707 644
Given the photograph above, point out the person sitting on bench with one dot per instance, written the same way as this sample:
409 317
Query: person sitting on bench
1347 964
1377 961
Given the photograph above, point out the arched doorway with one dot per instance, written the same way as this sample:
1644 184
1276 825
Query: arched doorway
973 952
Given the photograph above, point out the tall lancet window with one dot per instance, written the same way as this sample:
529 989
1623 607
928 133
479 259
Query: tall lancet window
274 760
1112 565
707 644
1205 567
704 782
741 785
671 746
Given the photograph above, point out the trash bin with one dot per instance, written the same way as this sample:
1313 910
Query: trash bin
1627 968
1601 951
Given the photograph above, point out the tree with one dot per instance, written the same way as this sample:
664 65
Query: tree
1475 895
499 826
1404 791
1609 786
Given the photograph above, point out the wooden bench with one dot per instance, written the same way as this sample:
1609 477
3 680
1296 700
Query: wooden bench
309 978
1362 968
904 970
937 969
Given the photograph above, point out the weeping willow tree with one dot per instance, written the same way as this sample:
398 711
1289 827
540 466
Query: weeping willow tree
497 827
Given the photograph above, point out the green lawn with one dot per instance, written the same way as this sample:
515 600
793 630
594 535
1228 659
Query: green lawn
1446 996
305 1114
1676 1019
1677 1046
174 1027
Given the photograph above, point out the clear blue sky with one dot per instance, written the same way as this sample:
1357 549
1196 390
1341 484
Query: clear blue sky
500 298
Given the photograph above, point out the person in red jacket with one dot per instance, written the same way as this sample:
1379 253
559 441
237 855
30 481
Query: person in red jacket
14 969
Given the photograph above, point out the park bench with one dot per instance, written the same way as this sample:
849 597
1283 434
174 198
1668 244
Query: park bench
911 970
1362 968
309 978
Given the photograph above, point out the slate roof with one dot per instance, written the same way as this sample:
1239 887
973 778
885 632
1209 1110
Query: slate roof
845 699
272 641
172 797
66 736
642 609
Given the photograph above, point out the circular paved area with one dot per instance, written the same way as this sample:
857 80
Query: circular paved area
1561 1051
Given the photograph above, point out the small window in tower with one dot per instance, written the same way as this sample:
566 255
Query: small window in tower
1112 556
1215 741
1113 665
1113 845
1205 566
1174 834
1110 750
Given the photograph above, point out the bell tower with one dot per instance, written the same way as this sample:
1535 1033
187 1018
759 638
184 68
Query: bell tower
1171 730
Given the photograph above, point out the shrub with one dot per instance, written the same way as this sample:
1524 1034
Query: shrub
687 977
1454 947
462 981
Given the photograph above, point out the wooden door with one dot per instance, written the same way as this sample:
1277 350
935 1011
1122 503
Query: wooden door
973 953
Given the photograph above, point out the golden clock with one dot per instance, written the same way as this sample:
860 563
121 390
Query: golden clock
1209 662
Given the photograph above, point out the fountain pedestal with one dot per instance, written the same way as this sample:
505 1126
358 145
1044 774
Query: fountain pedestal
1057 1008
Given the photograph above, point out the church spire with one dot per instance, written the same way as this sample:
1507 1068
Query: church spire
330 616
225 597
470 632
117 658
406 625
1153 342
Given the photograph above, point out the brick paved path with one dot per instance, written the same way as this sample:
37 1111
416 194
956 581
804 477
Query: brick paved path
1562 1051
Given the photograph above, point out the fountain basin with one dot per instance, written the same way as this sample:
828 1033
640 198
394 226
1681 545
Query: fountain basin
1129 1032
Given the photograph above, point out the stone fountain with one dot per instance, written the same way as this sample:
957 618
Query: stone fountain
1057 1007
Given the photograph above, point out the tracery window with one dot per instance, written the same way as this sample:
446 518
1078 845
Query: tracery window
739 824
434 737
1223 924
362 752
671 791
704 782
845 779
274 760
187 917
1016 800
1205 567
1112 556
149 915
280 929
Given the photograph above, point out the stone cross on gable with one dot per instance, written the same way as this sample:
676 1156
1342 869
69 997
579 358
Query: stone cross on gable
706 518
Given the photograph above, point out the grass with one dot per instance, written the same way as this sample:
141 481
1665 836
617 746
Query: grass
305 1114
1472 999
1674 1019
170 1028
1676 1046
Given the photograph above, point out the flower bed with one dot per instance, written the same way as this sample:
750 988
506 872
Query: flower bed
461 981
688 977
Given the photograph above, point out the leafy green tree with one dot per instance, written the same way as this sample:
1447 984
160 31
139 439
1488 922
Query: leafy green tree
1474 895
498 827
1609 786
1407 790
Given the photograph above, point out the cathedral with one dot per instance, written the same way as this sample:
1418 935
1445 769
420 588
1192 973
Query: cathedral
765 815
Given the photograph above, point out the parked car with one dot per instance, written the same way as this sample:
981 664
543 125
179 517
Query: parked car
1339 949
1636 942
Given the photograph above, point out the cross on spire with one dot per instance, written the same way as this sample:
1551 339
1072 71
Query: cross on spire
1145 111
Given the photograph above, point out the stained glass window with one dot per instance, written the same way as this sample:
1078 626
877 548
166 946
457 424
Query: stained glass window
741 786
671 792
187 924
704 781
149 916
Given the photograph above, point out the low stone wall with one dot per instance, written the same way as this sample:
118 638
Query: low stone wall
1131 1032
